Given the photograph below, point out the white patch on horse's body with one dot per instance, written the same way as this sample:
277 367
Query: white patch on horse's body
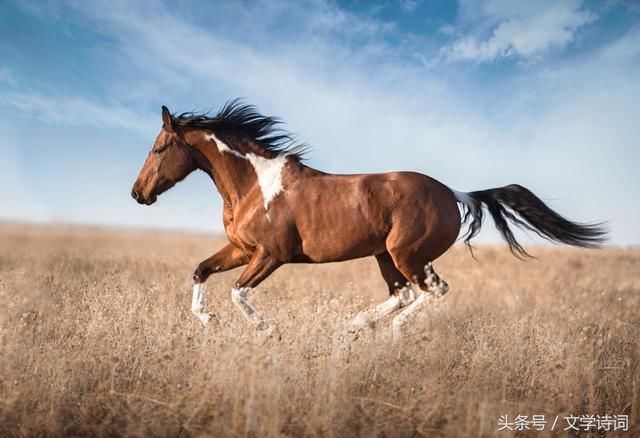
197 303
464 199
268 170
222 146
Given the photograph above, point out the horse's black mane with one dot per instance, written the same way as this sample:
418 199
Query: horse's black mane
244 119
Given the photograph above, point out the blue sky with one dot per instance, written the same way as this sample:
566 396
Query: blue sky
477 94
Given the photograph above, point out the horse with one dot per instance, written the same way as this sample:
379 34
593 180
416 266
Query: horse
278 210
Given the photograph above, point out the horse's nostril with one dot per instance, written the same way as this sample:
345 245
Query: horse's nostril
134 194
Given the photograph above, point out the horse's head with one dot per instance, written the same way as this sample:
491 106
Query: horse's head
168 162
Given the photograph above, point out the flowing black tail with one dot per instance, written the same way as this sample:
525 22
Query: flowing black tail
524 209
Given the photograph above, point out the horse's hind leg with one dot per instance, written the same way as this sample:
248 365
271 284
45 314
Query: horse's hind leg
392 276
400 294
429 283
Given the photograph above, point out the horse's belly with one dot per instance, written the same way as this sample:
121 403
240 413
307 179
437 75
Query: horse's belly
339 238
338 219
338 251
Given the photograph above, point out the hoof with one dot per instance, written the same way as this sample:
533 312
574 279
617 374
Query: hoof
396 333
273 333
353 332
269 331
352 336
207 318
358 324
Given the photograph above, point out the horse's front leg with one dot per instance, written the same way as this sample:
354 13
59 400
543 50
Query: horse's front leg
227 258
261 265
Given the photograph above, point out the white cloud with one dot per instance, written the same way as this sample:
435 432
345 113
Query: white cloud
363 110
522 30
298 80
409 5
78 111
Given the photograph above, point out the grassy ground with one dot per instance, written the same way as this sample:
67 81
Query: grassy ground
96 337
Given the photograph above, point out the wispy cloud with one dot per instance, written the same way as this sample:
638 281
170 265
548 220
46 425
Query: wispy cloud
409 5
340 81
78 111
525 32
350 86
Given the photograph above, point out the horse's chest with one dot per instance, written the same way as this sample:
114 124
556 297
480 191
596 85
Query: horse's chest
244 230
231 230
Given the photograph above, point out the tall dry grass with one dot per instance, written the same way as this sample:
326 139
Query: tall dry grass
97 338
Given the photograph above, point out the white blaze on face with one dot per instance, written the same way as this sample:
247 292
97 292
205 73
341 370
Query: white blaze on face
268 170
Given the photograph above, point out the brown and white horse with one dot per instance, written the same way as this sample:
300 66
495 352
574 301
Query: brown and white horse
277 210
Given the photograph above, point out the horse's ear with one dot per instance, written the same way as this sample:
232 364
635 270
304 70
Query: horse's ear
167 119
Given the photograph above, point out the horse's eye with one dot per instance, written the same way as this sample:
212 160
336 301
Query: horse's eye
160 149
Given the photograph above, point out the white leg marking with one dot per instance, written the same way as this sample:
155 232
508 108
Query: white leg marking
406 294
401 319
240 297
197 303
436 286
390 305
369 316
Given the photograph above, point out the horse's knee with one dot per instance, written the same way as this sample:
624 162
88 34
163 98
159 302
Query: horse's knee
202 273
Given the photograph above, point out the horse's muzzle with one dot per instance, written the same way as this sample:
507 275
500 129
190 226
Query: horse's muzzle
140 199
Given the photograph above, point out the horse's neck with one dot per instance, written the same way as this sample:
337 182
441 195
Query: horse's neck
230 173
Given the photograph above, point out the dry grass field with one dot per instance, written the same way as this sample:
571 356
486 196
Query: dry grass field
97 338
